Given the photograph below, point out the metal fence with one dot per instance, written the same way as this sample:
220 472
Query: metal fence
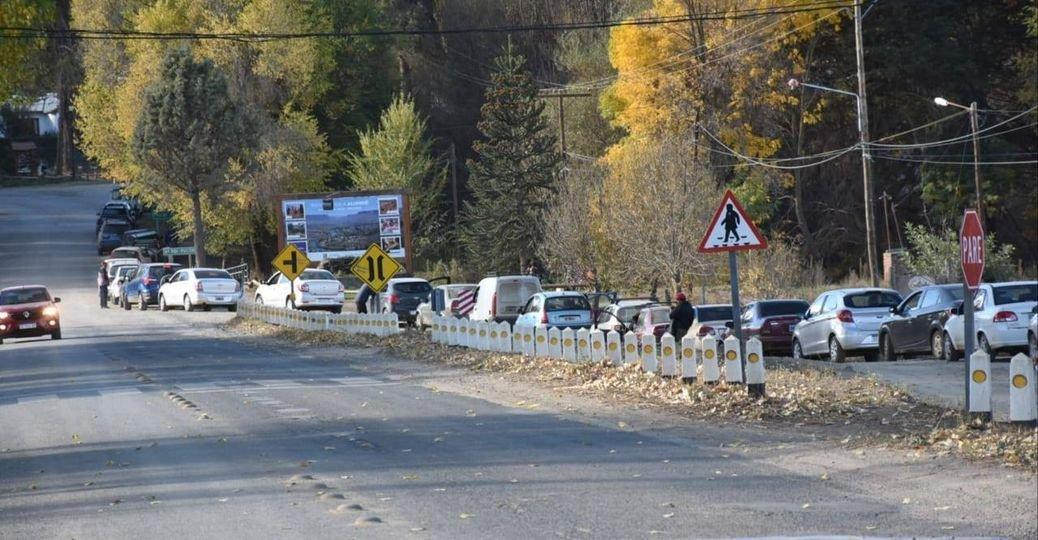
375 324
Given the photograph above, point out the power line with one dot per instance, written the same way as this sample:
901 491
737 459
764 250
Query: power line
961 138
935 162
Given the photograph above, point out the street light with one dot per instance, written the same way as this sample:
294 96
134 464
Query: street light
976 148
866 171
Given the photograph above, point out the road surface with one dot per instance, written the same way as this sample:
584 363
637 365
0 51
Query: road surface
158 425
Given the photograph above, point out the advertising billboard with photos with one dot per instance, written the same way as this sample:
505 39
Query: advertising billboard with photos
343 225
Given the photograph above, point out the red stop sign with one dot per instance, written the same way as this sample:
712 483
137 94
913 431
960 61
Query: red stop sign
971 246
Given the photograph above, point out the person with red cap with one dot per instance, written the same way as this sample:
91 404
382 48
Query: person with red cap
681 317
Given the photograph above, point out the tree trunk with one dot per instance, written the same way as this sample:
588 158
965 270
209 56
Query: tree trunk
63 161
196 209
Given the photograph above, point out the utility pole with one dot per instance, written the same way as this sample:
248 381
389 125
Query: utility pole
975 126
863 130
562 111
454 182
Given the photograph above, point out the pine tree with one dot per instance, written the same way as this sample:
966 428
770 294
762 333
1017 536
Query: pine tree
513 174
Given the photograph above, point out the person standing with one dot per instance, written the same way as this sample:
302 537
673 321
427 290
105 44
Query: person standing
102 284
681 317
363 295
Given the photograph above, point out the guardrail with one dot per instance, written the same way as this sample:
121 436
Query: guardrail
375 324
240 272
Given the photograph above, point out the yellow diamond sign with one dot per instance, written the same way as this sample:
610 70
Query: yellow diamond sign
291 262
375 267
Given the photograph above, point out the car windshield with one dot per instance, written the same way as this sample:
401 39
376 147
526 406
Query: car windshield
872 299
212 274
24 296
659 315
412 287
719 313
1012 294
124 252
110 211
122 271
774 309
158 272
114 228
566 303
316 274
626 315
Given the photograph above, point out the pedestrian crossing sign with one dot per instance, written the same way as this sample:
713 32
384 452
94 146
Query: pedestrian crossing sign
731 229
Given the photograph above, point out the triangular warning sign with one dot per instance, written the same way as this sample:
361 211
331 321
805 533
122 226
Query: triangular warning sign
731 229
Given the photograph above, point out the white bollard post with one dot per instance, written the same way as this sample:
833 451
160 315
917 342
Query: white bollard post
555 343
631 349
452 331
569 349
980 385
614 350
528 345
474 334
732 363
755 375
583 346
668 356
463 331
506 336
493 341
598 345
711 370
688 359
540 343
484 336
649 361
1023 401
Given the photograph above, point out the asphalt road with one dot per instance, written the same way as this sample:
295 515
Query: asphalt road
157 425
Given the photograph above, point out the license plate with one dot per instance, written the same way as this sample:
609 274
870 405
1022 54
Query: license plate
569 318
27 326
219 299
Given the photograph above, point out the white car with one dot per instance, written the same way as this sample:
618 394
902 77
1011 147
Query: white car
499 298
130 252
118 274
1001 313
199 287
314 289
441 302
1032 337
619 317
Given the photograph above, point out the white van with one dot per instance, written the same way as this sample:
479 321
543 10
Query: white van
500 298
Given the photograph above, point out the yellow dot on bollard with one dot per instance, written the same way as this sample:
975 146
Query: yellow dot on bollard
482 333
709 354
493 334
612 346
567 343
667 351
979 376
753 358
731 355
687 353
597 345
647 349
472 331
554 341
526 338
630 348
454 329
1020 381
540 339
583 343
504 335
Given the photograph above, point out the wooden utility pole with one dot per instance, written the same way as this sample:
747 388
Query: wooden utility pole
454 182
974 127
866 158
562 111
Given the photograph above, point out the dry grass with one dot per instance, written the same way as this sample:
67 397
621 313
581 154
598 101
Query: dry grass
857 411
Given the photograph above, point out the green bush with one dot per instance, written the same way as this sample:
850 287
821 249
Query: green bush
936 255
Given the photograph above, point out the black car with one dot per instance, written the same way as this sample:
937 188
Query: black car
109 235
113 211
917 324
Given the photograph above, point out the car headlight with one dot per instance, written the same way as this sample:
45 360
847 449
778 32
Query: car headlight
50 311
4 315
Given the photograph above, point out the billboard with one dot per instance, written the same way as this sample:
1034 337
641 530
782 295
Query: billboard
343 225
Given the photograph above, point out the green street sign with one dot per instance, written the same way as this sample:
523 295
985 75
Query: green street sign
181 250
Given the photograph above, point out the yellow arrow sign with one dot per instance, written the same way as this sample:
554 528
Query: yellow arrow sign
291 262
375 267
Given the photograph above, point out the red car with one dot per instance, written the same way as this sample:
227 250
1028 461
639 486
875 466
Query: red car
28 311
772 321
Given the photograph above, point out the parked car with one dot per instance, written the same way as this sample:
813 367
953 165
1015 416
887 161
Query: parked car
619 316
1001 315
442 301
29 311
314 289
112 262
135 206
653 320
772 322
917 324
109 235
142 288
130 252
119 274
146 239
402 296
1032 336
711 320
844 322
205 287
500 298
556 309
116 211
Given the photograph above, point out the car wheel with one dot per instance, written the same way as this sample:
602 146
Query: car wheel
55 334
259 300
142 304
937 345
125 303
188 306
836 352
1032 345
872 356
886 348
162 303
336 310
233 308
798 351
984 345
950 354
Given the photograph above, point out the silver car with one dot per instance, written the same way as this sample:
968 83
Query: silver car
844 322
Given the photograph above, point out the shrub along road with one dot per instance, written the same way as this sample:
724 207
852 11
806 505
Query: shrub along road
143 422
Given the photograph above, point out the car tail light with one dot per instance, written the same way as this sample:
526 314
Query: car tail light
304 287
544 317
845 316
147 281
454 306
393 299
237 286
706 330
198 286
1005 316
493 305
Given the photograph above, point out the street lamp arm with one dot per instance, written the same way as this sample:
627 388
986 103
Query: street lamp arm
941 102
828 89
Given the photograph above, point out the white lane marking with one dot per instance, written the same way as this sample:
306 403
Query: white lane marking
292 410
42 397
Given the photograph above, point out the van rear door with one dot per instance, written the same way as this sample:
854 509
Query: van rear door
512 294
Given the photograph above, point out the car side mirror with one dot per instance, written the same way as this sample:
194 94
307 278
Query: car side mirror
807 315
57 300
893 310
958 309
729 325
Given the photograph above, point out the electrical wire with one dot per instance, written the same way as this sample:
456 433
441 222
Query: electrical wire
935 162
924 126
830 156
961 138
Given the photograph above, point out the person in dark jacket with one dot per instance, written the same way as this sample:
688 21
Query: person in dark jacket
681 317
102 284
363 295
